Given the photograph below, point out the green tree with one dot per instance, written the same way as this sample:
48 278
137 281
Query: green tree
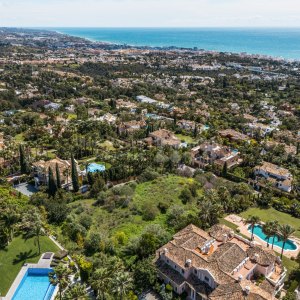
76 292
274 229
61 277
58 180
267 230
52 187
75 180
122 284
9 218
23 161
32 224
284 233
101 281
224 170
144 274
252 221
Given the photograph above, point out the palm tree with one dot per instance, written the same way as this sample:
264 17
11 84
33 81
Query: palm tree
252 220
33 225
100 282
76 292
9 218
267 230
284 232
61 277
274 230
122 284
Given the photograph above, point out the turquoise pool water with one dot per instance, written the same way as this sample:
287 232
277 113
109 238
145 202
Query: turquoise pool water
35 285
93 167
289 245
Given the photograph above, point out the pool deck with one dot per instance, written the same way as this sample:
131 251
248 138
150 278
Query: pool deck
42 264
243 228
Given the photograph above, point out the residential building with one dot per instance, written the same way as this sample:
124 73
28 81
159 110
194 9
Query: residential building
131 126
219 265
163 138
212 153
41 169
280 177
233 135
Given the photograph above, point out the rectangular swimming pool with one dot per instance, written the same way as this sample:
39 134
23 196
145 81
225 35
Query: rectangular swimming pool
35 285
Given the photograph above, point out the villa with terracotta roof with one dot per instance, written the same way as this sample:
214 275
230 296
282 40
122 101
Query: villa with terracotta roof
131 126
233 135
210 152
163 138
40 170
219 265
280 177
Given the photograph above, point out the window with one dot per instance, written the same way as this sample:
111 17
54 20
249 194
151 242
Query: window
167 261
182 271
195 271
175 266
206 278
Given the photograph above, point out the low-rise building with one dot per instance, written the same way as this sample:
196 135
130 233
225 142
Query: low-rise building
213 153
163 138
219 265
41 169
233 135
280 177
131 126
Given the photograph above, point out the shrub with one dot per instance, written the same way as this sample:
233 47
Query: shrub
150 211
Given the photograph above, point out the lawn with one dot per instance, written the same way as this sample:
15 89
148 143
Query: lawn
18 252
186 138
272 214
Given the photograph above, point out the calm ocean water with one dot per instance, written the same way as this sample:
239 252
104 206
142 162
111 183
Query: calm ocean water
274 42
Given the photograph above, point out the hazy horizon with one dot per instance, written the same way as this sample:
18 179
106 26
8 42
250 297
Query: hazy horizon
150 13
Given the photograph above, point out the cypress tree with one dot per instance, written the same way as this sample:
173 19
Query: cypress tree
75 181
23 161
195 131
224 171
52 187
58 180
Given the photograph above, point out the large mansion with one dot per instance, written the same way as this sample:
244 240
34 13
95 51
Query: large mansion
219 265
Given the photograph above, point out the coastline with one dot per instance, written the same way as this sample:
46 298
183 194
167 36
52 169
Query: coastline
175 48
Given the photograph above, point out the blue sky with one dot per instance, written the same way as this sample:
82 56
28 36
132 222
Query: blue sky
150 13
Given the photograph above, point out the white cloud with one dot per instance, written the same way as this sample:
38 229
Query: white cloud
150 13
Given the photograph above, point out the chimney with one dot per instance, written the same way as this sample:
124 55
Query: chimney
188 263
165 251
256 257
240 278
247 290
224 238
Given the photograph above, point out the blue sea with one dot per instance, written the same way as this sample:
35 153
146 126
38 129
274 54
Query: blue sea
284 42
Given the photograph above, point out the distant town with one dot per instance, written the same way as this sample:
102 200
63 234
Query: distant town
146 172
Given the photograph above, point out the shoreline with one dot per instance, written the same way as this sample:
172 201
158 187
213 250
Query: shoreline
178 48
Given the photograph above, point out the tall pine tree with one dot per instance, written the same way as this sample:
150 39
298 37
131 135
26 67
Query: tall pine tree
75 181
23 161
58 180
52 187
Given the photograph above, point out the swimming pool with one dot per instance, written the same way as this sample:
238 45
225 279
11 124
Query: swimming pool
35 285
289 245
93 167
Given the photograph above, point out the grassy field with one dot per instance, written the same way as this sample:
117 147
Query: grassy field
186 138
272 214
18 252
129 220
